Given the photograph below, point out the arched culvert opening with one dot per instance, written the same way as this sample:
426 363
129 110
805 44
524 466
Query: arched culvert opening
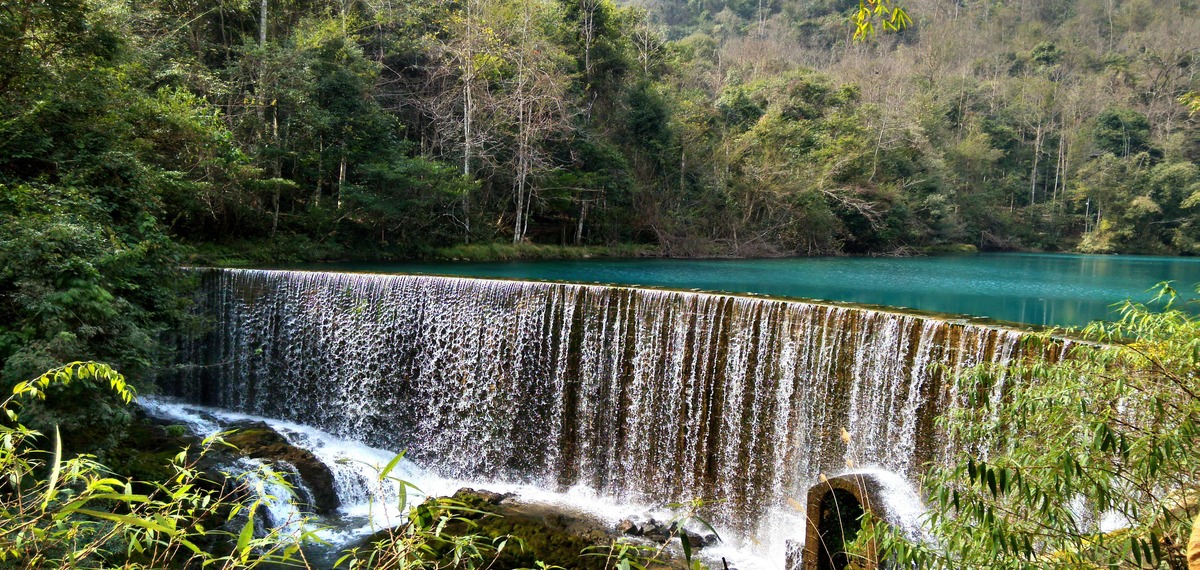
839 522
835 511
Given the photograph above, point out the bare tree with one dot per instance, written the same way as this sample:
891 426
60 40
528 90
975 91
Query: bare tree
534 104
459 96
648 40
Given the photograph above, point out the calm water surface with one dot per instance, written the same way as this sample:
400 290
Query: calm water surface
1040 289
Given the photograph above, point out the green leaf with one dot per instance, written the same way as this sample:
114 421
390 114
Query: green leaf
128 520
246 534
390 466
55 469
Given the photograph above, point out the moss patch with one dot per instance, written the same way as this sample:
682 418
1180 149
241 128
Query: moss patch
147 450
950 248
534 532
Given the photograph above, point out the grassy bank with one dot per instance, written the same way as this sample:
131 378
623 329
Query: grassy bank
527 251
948 248
284 250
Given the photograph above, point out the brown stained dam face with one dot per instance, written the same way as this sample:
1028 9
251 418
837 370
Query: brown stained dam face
649 396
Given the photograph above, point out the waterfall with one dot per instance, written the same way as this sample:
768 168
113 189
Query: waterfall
646 396
367 503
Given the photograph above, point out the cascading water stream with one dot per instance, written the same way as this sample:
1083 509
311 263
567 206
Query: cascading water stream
646 396
368 503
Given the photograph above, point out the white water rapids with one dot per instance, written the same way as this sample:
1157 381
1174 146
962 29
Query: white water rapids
369 505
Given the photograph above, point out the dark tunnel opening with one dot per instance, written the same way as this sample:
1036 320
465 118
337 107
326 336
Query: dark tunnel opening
839 524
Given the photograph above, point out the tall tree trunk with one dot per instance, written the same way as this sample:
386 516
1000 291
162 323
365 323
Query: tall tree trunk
583 208
468 111
878 147
522 173
320 163
276 172
588 23
275 207
589 36
341 179
1037 154
519 223
1060 167
682 168
762 21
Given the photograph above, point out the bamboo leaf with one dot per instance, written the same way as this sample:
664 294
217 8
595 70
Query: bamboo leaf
128 520
246 534
55 469
391 465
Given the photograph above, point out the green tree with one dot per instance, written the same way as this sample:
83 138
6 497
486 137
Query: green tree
1090 459
407 200
86 269
1122 132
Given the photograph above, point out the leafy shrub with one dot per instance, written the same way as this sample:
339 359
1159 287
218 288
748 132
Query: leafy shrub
58 512
1091 461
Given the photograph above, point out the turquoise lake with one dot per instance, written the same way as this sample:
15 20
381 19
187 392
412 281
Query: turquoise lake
1037 289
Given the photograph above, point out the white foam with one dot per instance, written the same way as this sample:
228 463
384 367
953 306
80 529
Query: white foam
369 505
903 502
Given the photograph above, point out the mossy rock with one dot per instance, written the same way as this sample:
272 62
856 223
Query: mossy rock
147 450
146 455
533 532
259 441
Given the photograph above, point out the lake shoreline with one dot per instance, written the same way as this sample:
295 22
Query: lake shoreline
1039 289
276 252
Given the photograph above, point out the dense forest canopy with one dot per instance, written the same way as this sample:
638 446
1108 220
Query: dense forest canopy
136 134
698 128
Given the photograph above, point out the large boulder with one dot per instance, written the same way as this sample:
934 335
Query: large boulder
552 534
260 441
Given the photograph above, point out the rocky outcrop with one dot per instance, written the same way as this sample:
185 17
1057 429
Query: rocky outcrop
147 457
145 453
551 534
661 532
260 441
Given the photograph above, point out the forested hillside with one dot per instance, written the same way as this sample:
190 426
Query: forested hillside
1051 124
320 129
140 136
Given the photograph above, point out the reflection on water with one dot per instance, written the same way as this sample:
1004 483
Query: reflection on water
1041 289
